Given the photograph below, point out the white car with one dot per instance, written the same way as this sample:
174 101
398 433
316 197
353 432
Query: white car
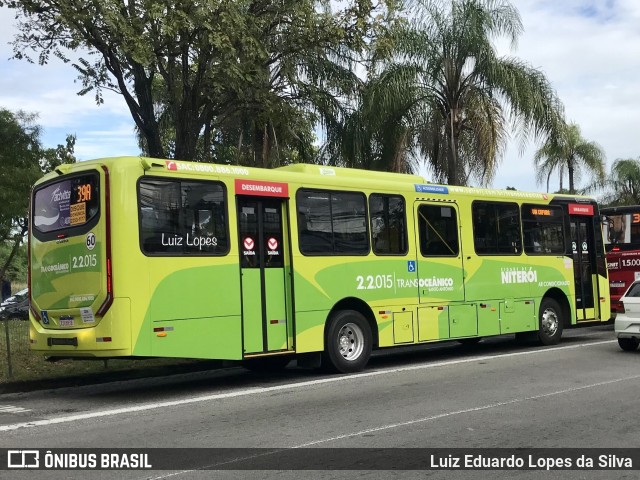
627 324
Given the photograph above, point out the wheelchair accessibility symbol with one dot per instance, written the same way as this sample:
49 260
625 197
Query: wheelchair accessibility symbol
411 266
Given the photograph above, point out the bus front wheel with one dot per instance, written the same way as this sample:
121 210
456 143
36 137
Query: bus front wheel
348 342
550 322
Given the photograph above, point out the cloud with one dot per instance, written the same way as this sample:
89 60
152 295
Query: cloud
51 92
587 48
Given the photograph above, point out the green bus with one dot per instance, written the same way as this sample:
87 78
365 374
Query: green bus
140 257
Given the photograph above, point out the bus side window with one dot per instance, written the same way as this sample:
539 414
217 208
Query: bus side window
438 229
388 224
335 222
496 228
172 210
543 229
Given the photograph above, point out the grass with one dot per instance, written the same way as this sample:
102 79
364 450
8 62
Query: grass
35 369
29 367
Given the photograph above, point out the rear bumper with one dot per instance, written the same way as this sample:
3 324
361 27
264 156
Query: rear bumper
627 327
110 337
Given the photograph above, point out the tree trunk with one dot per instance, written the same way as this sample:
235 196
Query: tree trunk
240 140
452 152
206 143
266 146
142 107
154 144
17 241
187 128
571 186
398 157
186 140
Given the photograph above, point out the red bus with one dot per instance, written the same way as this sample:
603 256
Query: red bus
621 231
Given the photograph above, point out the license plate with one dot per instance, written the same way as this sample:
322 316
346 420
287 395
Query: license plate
66 323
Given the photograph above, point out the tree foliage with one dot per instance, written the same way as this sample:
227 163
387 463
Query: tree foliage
568 151
447 96
203 77
393 83
622 185
23 160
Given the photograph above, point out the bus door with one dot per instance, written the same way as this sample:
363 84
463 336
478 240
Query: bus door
442 312
264 261
584 261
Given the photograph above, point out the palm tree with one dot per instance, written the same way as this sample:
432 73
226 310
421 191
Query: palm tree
568 150
465 95
377 132
622 186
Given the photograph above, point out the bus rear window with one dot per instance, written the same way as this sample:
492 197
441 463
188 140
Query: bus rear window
182 217
622 231
67 204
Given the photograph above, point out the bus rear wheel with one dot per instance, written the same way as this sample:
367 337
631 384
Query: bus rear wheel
348 342
550 322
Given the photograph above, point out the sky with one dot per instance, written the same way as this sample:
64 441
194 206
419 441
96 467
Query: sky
588 49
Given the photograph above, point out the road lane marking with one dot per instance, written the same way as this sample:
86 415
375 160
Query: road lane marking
290 386
466 410
12 409
410 422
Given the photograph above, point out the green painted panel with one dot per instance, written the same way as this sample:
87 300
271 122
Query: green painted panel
463 321
67 275
373 280
492 278
433 323
192 297
276 309
310 331
213 337
403 327
252 310
440 278
517 316
488 319
200 291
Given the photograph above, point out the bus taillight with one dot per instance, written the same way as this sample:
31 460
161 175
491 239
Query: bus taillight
107 201
109 276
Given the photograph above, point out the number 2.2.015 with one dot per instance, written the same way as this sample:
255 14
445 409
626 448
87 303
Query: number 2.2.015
373 282
84 261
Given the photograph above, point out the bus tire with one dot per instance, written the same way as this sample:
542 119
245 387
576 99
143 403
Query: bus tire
348 342
628 344
550 322
267 364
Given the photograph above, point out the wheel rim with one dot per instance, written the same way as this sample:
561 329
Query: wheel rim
550 322
350 341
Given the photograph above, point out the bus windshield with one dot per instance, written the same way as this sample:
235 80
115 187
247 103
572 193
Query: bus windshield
69 203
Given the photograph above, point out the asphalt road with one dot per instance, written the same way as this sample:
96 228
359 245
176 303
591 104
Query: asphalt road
580 394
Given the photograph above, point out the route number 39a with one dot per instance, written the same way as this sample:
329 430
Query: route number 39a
91 241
